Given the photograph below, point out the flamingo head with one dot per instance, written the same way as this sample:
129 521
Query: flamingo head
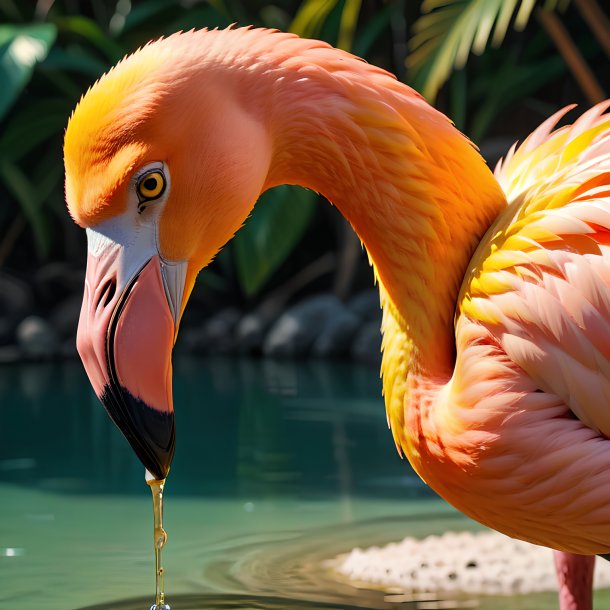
163 165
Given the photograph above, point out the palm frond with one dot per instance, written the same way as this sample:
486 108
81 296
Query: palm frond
349 20
311 16
449 30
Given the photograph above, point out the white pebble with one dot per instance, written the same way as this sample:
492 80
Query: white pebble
476 563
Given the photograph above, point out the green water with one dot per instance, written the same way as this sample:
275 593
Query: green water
278 467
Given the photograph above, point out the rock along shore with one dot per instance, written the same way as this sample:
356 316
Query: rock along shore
486 563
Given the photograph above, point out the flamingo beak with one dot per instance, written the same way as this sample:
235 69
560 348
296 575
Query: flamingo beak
126 333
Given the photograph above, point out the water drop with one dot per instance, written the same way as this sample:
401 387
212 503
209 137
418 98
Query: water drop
160 538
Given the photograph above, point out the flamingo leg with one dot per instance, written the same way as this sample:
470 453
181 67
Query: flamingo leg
575 580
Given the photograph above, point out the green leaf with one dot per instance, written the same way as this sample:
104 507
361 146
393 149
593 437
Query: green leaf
75 59
278 222
93 34
10 11
205 16
21 48
27 129
311 16
65 84
512 81
28 197
150 10
372 29
46 176
212 280
449 30
349 20
459 98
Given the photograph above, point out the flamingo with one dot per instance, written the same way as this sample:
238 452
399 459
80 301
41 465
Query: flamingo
495 289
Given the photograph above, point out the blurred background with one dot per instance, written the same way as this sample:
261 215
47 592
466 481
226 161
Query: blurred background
283 455
497 68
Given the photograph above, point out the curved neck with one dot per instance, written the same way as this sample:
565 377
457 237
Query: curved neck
414 189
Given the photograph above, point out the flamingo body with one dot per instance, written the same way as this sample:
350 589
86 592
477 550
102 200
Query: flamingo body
517 437
500 404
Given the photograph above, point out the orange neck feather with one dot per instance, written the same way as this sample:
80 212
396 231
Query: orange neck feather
415 190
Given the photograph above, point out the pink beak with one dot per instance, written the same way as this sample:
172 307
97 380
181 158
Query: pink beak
125 338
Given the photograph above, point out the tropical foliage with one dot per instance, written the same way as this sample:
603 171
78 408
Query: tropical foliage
449 31
59 52
52 50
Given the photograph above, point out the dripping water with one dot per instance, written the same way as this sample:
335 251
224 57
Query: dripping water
160 538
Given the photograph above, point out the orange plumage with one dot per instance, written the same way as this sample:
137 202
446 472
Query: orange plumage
501 405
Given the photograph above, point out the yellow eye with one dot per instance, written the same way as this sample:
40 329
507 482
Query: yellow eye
151 185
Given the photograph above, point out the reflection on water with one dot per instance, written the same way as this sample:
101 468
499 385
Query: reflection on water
236 602
244 428
278 467
271 459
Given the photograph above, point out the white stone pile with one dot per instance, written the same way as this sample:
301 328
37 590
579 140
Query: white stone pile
473 563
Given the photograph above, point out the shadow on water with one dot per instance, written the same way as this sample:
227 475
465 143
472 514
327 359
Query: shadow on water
219 602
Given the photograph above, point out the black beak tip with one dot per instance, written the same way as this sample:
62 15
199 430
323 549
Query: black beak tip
151 433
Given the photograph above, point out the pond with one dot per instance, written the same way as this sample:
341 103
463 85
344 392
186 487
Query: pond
278 467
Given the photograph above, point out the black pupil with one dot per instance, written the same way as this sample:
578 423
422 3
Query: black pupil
150 184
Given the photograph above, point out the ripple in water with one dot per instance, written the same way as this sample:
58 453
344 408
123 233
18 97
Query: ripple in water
290 572
235 602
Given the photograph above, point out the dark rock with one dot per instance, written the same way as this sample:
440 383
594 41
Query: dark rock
215 336
337 334
16 297
365 305
64 317
7 330
9 354
55 281
37 338
252 328
366 346
189 341
297 329
223 323
250 332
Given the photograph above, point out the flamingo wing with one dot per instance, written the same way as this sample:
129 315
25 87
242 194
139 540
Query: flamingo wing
540 279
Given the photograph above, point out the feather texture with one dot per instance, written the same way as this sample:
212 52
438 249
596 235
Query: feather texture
526 416
516 433
540 280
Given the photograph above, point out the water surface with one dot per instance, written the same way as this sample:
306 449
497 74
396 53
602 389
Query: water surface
278 467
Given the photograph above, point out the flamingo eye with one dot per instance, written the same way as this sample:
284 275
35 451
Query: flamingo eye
150 186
